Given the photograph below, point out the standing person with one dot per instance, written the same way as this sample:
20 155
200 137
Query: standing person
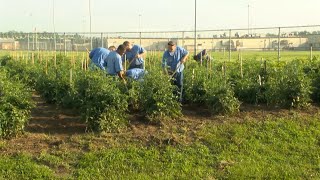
135 54
175 57
114 62
98 57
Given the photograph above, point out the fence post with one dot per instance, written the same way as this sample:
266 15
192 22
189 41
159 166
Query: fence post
107 44
33 45
311 53
279 44
28 45
102 40
65 44
230 45
183 39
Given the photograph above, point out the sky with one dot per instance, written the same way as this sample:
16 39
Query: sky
153 15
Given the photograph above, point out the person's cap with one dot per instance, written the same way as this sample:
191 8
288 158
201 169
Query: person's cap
171 43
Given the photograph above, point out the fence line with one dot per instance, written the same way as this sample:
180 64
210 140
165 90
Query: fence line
294 38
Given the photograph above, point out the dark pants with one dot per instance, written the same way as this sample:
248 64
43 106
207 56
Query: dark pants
178 81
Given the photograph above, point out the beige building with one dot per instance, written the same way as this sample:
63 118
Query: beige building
8 44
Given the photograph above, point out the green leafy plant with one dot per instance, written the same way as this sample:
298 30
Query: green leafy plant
15 106
156 98
103 105
289 87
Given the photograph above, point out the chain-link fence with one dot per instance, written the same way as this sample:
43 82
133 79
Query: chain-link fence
226 41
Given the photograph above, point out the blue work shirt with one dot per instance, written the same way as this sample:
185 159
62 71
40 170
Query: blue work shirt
174 59
98 57
136 49
135 73
114 63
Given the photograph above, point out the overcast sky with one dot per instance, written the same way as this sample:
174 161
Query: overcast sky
123 15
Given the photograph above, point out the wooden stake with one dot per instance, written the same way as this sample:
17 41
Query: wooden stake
32 58
241 70
70 76
46 67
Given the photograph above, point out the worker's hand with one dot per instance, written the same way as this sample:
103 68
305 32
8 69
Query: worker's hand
138 56
124 81
183 61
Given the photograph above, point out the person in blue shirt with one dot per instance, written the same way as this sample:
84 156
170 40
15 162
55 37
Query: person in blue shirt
174 58
134 54
98 57
114 62
203 55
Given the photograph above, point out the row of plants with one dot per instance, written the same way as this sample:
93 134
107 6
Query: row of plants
15 105
104 102
291 84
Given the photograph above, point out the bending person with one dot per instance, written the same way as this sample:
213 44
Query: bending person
114 62
98 57
134 54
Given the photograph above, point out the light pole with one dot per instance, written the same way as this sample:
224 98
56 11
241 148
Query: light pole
90 23
248 19
195 27
54 28
140 27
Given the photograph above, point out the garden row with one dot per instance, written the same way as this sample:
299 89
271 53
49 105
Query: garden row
104 102
220 87
15 105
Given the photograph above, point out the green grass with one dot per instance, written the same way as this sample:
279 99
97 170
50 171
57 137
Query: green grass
266 55
22 166
272 149
276 148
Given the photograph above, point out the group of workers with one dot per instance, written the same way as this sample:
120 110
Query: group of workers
111 60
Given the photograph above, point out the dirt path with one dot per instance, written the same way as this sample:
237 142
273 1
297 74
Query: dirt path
48 128
48 119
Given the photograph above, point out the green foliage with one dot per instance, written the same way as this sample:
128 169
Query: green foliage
211 90
56 88
196 85
103 105
156 98
312 70
4 60
220 98
251 87
15 106
289 86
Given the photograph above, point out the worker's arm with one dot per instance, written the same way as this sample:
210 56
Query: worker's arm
184 58
121 75
141 54
119 69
